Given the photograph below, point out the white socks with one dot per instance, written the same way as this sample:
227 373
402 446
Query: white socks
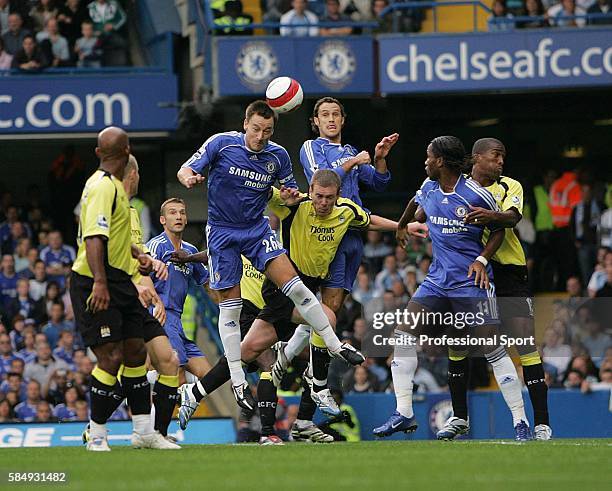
310 309
190 378
509 383
96 430
229 330
403 368
298 341
142 424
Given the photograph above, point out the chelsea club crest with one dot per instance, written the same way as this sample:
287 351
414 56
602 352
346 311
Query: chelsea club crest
461 211
271 167
335 64
256 64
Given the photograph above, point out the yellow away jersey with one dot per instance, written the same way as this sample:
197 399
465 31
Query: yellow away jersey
509 194
105 211
136 233
250 284
312 241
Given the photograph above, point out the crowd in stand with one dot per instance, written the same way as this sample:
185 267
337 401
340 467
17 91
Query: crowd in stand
40 34
303 18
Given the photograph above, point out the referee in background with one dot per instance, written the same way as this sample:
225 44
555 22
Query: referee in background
107 310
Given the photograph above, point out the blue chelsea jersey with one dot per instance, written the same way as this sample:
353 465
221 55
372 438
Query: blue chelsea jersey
173 291
323 154
456 244
239 179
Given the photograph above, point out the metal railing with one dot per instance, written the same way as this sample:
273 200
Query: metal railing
551 21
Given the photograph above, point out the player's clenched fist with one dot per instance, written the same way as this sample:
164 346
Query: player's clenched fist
194 180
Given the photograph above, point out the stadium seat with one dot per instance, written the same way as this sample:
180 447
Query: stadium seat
456 18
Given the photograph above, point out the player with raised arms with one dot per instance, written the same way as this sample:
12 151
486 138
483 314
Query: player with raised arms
242 168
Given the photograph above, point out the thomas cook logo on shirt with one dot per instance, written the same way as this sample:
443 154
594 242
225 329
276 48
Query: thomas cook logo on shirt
256 64
102 222
335 64
105 332
461 211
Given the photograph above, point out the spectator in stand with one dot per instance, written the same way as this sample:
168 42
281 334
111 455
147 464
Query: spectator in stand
384 280
564 194
52 295
333 14
357 10
599 277
234 15
299 15
17 366
8 282
401 258
26 410
18 231
87 47
67 411
7 415
6 59
5 10
606 290
54 44
65 347
385 24
25 305
565 8
44 365
42 12
16 333
364 291
350 310
399 292
500 20
535 9
584 220
360 381
28 353
555 353
32 257
410 280
601 7
597 341
30 57
13 38
421 273
70 17
12 217
82 411
56 324
38 284
44 413
14 382
20 255
107 16
274 10
68 310
58 258
375 250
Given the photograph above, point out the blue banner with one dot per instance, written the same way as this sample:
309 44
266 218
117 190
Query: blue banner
40 103
200 431
522 59
245 66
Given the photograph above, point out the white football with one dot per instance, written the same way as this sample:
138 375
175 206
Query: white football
284 94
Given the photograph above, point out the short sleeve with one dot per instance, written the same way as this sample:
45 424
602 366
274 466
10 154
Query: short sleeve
96 219
312 158
513 197
361 219
422 191
205 155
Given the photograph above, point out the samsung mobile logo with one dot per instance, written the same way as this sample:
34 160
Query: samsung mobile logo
68 110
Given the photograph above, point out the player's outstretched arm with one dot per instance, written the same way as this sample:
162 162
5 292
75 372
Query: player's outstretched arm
479 266
181 257
382 224
188 178
383 147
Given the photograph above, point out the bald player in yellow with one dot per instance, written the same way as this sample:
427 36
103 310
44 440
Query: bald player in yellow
510 275
107 309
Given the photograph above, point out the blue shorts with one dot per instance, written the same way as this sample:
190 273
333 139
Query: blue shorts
225 245
343 269
184 348
480 303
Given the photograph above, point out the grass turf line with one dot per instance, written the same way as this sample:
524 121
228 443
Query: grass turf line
558 464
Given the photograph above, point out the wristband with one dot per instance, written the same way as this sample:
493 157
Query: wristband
483 260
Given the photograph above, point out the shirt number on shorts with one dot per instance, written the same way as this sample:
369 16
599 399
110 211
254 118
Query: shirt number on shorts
271 244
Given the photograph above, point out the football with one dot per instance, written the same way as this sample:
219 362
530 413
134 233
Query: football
284 94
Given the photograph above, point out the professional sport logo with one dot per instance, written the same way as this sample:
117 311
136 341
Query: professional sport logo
256 64
439 414
335 64
461 211
271 167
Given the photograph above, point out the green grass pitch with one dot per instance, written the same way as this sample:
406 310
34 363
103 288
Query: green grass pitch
577 465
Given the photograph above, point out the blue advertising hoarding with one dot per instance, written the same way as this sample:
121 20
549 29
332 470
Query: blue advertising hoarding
245 65
521 59
200 431
41 103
